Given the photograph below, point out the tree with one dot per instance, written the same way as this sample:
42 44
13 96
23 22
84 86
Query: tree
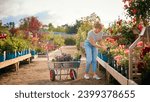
85 25
31 24
50 27
73 29
10 25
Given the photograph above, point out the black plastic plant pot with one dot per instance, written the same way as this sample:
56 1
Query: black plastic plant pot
73 74
52 75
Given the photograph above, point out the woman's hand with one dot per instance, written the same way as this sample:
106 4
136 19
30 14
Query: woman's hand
101 46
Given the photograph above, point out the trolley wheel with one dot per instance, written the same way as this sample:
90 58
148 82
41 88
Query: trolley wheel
73 74
52 75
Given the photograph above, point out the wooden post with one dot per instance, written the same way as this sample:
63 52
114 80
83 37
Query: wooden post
148 34
130 65
17 66
107 76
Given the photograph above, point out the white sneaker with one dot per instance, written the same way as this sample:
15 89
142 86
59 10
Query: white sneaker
96 77
86 77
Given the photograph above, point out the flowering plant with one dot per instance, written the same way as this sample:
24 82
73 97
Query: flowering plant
126 31
121 55
106 44
141 53
139 10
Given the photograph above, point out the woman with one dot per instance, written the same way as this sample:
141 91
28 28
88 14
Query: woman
91 50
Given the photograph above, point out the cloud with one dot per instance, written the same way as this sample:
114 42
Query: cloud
44 17
8 8
61 11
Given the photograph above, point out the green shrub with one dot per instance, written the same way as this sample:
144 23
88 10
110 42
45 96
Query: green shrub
14 44
9 45
58 40
1 47
70 41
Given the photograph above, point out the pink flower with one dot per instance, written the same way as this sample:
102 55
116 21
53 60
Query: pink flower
140 44
126 51
118 58
121 46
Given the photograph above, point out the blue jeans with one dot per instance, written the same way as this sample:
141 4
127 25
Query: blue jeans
91 54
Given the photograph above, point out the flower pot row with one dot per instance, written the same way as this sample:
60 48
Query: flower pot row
33 52
1 58
103 56
122 69
12 55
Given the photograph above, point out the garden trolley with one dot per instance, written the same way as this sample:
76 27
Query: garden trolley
69 68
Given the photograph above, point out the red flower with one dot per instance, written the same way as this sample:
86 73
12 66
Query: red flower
110 30
134 11
3 36
134 20
144 51
140 27
119 22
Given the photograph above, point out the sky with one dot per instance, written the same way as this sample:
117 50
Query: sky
59 12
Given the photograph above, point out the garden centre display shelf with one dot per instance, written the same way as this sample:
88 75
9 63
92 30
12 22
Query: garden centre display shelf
110 70
15 61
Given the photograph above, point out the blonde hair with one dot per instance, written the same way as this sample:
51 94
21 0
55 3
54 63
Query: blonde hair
98 25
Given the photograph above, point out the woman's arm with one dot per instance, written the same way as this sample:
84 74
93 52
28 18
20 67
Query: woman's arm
105 36
91 40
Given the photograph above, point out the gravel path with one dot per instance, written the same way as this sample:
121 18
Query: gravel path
37 72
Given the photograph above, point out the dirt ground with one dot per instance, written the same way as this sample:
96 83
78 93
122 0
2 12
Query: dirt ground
37 72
